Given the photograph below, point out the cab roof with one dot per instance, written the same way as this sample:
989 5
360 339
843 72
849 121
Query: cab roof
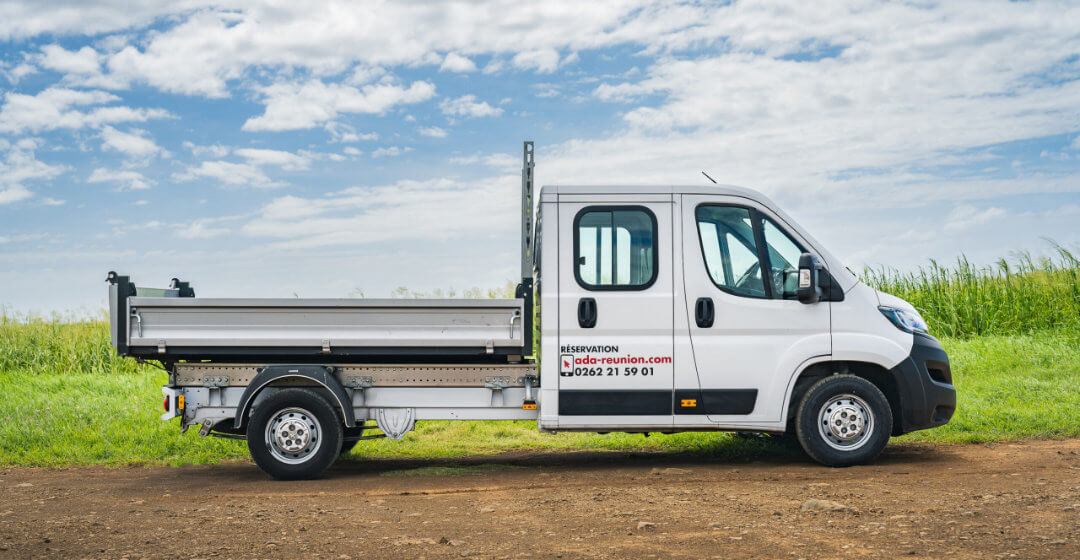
707 189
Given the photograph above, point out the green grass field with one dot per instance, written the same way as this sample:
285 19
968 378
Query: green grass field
66 399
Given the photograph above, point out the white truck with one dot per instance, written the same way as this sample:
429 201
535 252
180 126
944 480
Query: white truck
661 309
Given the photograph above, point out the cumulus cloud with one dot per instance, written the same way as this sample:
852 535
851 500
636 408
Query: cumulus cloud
456 63
14 193
433 132
19 166
293 106
365 215
57 107
229 174
390 151
123 179
136 143
467 106
278 158
544 61
207 48
203 228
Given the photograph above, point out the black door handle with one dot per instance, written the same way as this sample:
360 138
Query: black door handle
704 312
586 312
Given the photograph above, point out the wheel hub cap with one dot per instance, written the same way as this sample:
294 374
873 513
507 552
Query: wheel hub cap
845 422
293 435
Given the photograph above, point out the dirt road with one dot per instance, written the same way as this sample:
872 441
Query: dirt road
1001 501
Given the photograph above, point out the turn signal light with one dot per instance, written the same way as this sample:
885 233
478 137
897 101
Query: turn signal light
528 406
180 402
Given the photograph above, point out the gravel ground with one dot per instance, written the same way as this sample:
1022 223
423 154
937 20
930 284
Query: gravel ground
917 501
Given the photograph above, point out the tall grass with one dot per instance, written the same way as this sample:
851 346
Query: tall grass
56 345
1017 296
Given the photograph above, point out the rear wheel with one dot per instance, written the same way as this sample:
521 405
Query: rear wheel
843 420
294 434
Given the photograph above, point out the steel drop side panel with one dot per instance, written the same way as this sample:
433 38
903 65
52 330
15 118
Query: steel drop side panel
209 327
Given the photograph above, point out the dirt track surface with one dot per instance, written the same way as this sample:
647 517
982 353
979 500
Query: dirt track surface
1001 501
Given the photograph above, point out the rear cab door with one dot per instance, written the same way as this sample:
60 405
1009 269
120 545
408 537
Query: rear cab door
616 309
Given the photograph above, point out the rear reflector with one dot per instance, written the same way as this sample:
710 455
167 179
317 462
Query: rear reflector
165 403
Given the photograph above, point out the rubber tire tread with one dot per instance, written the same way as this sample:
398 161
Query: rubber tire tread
330 423
806 428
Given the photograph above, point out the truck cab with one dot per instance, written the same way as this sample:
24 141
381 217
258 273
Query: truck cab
707 307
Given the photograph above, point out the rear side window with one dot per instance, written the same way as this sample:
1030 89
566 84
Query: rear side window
615 248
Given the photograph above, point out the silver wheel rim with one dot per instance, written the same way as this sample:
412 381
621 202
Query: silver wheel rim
845 422
293 435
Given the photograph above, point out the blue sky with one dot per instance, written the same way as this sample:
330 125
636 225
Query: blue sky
331 148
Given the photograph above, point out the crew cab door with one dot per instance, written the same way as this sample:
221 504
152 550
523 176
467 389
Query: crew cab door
748 332
615 311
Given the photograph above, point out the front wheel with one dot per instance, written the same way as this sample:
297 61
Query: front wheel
294 434
843 420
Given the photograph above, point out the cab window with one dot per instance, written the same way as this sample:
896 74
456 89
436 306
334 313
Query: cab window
731 241
615 248
730 250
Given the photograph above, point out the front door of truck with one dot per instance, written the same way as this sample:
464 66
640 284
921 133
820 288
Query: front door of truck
615 312
748 332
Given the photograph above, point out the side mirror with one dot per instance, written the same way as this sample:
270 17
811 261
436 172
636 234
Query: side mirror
809 289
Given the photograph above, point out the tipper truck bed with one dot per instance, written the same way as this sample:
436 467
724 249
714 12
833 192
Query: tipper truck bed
660 309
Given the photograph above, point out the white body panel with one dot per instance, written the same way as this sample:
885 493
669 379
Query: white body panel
632 326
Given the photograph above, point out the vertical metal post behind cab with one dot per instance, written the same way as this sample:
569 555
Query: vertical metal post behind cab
527 210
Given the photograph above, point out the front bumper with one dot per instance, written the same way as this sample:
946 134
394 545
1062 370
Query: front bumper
924 381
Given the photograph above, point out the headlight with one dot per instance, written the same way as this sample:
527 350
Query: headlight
905 319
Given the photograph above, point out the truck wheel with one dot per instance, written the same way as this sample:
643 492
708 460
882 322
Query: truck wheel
843 420
294 434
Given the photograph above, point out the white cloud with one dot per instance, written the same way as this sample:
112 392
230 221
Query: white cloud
544 61
14 193
433 132
365 215
124 179
19 166
202 229
49 201
214 150
82 61
230 174
54 108
456 63
966 217
136 143
390 151
16 72
206 49
293 106
468 106
278 158
340 132
82 67
504 162
352 151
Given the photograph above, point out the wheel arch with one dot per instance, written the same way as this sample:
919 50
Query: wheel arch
882 377
281 375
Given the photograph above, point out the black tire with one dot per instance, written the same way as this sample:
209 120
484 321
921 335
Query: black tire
306 412
826 406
